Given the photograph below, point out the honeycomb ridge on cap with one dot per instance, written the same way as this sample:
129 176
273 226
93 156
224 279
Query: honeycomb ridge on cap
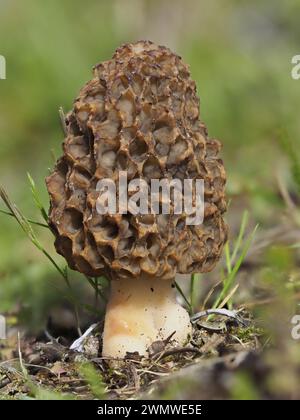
139 113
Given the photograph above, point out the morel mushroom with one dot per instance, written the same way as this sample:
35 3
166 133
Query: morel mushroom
139 114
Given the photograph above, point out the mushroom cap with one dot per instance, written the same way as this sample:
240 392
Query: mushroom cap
140 114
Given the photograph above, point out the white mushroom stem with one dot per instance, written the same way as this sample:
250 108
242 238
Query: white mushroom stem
140 312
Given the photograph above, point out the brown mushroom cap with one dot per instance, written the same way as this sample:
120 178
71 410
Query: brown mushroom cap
140 113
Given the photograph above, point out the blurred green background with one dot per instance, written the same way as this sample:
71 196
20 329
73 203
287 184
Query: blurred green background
239 53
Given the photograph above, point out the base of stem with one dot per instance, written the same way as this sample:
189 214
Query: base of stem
140 312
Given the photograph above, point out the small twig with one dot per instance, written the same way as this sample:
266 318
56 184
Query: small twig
229 296
136 378
285 194
179 350
5 382
24 371
158 346
152 372
238 340
221 311
50 337
39 367
168 339
212 328
211 291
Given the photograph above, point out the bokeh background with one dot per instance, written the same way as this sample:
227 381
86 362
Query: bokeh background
239 53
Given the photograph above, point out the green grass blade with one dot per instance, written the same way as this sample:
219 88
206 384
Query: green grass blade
183 296
229 280
240 236
63 120
36 198
94 380
227 257
97 287
27 229
193 295
33 222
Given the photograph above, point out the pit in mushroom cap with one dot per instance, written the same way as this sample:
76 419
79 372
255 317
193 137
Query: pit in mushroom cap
140 113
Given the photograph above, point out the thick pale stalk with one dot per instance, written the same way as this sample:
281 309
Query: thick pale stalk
140 312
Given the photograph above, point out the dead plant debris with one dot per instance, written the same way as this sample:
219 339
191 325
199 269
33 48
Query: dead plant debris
57 368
